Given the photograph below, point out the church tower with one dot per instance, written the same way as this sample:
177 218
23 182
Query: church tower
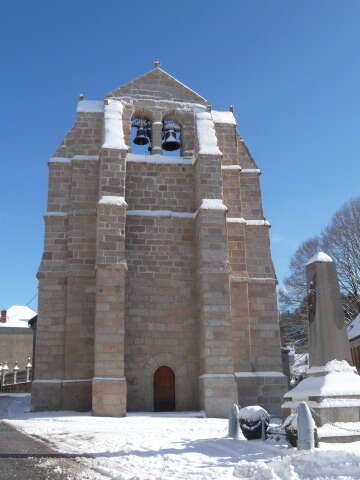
156 285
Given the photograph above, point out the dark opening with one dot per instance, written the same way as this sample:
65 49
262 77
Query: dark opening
164 390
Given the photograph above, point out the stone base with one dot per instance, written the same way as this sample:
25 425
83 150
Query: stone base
61 395
217 394
109 397
262 388
341 438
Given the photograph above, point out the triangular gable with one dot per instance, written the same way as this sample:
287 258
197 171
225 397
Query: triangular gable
158 84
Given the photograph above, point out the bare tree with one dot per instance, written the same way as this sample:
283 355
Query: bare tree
292 296
341 240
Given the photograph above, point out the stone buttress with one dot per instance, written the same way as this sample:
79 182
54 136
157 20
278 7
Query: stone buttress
154 261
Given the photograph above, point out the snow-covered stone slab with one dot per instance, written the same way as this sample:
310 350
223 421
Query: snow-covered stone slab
90 106
160 213
223 117
248 222
112 200
251 170
212 204
230 167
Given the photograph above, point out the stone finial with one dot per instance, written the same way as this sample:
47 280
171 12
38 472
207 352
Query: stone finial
81 96
231 108
156 63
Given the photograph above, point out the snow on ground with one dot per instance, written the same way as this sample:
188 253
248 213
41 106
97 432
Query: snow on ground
149 446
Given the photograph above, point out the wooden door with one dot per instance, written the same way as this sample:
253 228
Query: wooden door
164 390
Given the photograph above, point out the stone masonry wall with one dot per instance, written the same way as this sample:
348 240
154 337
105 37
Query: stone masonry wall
161 325
160 187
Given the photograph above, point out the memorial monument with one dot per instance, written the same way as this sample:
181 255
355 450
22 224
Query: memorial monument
332 386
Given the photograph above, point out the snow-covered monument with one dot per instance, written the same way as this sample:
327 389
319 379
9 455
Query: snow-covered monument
156 285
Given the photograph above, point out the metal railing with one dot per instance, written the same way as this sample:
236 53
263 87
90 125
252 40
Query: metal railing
15 376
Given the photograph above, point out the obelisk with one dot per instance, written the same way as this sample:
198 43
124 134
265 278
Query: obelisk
327 332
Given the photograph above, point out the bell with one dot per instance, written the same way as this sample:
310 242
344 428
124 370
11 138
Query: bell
141 138
170 142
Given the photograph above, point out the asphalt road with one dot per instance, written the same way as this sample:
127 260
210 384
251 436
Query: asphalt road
23 458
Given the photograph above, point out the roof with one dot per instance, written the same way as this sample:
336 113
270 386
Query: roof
18 316
353 330
159 84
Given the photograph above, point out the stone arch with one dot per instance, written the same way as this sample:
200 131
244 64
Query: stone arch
150 368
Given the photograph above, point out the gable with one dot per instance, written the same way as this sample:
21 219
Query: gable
160 85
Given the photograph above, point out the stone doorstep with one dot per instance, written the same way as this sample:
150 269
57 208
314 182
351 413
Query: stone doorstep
340 438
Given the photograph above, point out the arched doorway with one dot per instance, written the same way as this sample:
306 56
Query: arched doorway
164 390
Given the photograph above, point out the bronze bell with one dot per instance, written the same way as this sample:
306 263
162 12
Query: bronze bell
170 142
143 133
141 138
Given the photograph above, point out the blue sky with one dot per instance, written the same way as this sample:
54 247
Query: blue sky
291 69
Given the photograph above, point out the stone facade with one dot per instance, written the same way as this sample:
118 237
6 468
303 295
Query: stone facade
155 260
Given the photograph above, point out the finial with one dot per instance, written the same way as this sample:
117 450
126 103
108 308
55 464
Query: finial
156 63
231 108
81 97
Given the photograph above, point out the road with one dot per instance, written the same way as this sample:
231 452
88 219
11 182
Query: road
24 458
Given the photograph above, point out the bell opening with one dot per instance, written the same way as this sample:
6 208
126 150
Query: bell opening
171 137
141 136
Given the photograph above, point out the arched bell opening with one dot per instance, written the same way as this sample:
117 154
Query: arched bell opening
141 138
164 389
171 138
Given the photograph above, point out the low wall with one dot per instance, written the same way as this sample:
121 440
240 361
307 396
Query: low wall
16 344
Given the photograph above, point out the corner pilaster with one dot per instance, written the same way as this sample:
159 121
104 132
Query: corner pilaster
216 380
109 383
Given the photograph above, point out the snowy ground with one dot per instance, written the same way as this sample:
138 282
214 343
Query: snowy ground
181 446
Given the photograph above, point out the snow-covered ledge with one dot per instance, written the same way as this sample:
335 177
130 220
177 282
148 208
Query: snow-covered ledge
112 200
113 125
90 106
248 222
212 204
223 117
159 159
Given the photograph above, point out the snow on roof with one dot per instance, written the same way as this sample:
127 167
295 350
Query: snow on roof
353 330
319 257
112 200
87 106
18 316
206 134
113 127
223 117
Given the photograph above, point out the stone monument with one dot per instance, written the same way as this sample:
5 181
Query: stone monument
332 386
327 332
